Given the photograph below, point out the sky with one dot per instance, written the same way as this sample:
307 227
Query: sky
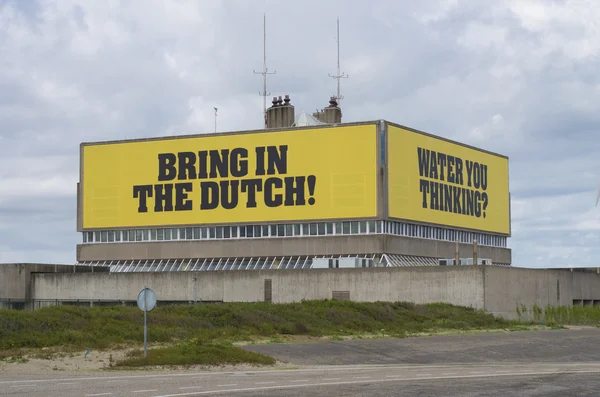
517 77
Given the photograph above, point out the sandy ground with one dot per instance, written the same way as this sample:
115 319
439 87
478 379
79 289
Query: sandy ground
100 361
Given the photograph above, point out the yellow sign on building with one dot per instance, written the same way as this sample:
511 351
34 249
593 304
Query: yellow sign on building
293 175
432 180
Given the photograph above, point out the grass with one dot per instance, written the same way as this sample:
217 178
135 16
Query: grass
558 316
190 353
206 334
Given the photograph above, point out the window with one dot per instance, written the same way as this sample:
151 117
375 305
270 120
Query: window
104 236
118 235
313 229
321 229
234 231
219 231
329 228
111 236
346 228
280 230
289 230
362 227
189 233
226 232
265 231
153 234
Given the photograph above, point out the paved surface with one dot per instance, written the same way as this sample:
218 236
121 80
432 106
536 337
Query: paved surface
524 346
549 363
566 379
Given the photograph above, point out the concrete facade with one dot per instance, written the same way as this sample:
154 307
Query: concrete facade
301 246
15 278
497 290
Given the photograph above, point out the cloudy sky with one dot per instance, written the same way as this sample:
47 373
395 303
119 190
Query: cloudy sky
518 77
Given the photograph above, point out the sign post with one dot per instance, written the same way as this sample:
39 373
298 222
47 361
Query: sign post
146 302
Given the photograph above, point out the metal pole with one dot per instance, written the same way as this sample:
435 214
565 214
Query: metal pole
145 326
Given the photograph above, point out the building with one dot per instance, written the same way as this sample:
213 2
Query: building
307 192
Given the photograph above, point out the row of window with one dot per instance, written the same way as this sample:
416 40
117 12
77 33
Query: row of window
292 230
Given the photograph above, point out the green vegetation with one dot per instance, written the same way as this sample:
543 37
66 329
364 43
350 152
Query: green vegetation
557 316
206 333
195 352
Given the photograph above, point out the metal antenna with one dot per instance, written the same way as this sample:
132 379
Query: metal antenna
338 76
215 118
265 72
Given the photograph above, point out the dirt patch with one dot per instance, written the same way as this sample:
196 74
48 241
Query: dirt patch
102 361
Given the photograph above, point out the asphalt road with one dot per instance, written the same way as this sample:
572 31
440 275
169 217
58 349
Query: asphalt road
566 379
523 346
548 363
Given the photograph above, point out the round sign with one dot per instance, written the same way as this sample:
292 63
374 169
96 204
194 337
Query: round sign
146 300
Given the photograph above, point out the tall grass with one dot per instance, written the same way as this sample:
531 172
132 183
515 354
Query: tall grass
559 315
104 327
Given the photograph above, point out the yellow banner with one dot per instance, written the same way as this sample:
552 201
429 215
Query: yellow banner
295 175
434 181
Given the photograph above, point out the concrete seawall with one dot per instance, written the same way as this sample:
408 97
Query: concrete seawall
497 290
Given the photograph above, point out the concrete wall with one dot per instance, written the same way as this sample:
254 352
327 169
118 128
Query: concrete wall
460 286
498 290
441 249
15 278
318 245
505 288
586 287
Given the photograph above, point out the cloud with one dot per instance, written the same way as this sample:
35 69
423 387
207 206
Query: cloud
517 77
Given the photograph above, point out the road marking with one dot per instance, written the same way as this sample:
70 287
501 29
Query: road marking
22 385
231 384
264 383
332 378
503 372
347 368
476 372
449 373
220 391
114 381
68 383
424 374
191 387
299 380
101 394
143 391
362 377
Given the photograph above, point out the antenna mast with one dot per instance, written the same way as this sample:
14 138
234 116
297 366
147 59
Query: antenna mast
264 72
215 118
338 76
